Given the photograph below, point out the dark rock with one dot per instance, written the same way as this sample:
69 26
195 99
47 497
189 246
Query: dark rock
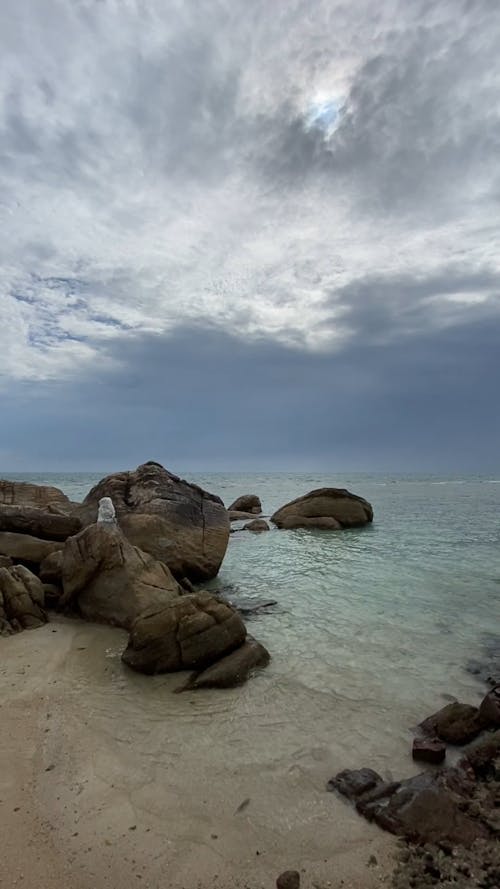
489 710
247 503
6 562
257 526
290 879
50 570
24 547
52 594
21 600
354 782
190 632
235 515
429 750
178 523
456 723
38 522
330 508
249 607
233 669
480 756
111 581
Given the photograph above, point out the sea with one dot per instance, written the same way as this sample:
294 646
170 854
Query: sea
387 617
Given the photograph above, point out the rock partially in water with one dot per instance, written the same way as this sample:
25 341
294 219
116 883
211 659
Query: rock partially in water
489 710
236 515
455 723
430 750
21 600
247 503
329 508
352 783
177 522
190 632
257 526
233 669
111 581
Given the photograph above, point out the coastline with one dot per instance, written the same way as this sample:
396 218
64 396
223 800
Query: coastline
105 797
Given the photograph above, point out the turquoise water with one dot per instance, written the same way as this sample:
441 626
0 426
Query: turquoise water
374 627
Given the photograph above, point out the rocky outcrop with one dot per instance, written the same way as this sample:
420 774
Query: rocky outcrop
233 669
178 523
257 526
247 503
25 548
21 600
328 508
24 494
456 723
38 522
111 581
188 633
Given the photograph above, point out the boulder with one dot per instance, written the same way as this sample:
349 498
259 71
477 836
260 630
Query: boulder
289 879
38 522
330 508
354 782
257 526
489 710
24 494
190 632
50 570
21 600
456 723
178 523
25 548
111 581
430 750
232 669
6 562
247 503
235 515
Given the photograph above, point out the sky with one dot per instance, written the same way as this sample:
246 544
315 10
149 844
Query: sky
249 236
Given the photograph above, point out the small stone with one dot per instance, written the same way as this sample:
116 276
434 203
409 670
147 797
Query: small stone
429 750
49 768
372 861
289 879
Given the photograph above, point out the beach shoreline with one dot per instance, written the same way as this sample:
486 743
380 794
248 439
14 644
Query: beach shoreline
85 803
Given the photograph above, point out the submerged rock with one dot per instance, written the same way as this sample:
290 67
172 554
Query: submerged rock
177 522
232 669
247 503
111 581
430 750
257 526
189 632
21 600
330 508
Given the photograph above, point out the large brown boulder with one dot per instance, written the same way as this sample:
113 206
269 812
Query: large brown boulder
455 723
176 522
247 503
38 522
188 633
331 508
21 600
232 669
43 497
25 548
110 580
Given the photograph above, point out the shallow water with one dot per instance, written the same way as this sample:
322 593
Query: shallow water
374 627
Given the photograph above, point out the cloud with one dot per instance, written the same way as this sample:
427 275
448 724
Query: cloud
161 171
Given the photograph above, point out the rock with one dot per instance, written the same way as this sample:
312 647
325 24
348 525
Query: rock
6 562
21 600
257 526
480 756
430 750
455 723
236 515
38 522
26 548
110 580
325 508
248 606
430 807
232 669
289 879
52 594
38 496
50 570
178 523
247 503
354 782
489 710
190 632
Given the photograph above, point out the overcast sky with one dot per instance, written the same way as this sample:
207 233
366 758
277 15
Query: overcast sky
250 235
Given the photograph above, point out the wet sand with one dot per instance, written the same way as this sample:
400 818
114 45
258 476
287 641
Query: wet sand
107 779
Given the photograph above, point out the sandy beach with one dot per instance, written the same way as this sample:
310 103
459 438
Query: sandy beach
107 779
